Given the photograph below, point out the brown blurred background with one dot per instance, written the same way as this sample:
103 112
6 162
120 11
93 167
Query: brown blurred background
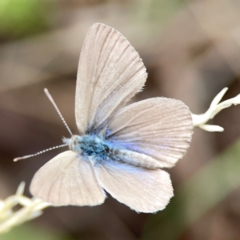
191 50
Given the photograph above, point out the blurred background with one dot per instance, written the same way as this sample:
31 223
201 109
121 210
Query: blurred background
191 50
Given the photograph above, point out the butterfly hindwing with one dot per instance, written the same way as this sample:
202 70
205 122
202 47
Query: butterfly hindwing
141 189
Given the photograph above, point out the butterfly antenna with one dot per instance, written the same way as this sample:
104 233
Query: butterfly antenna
58 111
38 153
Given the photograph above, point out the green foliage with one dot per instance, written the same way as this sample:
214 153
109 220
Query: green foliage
30 232
19 18
158 11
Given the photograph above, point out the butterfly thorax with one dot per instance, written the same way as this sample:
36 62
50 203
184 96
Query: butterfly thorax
90 146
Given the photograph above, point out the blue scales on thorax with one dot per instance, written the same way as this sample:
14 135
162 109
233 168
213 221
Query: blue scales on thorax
91 146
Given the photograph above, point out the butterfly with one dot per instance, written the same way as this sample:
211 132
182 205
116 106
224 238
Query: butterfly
120 149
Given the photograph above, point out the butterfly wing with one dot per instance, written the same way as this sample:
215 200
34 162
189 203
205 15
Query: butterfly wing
110 72
67 179
141 189
159 127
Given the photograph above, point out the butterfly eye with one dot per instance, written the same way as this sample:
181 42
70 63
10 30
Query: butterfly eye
76 142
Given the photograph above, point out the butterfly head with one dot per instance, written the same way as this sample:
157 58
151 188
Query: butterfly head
72 142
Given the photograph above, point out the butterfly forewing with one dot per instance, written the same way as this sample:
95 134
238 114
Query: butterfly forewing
67 179
159 127
110 72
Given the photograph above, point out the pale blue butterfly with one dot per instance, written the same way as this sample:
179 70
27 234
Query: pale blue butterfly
120 149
